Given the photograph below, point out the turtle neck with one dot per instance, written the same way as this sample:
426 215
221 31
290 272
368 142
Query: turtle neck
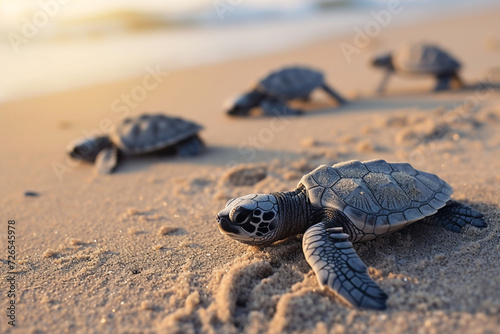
296 213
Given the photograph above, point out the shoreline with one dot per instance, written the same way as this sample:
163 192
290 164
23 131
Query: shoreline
309 30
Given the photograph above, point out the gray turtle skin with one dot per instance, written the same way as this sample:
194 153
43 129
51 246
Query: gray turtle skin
335 206
420 59
147 133
272 92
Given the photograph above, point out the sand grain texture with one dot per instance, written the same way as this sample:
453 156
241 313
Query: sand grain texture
139 250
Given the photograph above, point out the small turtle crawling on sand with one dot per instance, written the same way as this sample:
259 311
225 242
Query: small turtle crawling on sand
136 136
424 59
272 92
349 202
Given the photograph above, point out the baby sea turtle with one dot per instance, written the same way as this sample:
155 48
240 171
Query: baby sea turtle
423 59
336 206
144 134
274 90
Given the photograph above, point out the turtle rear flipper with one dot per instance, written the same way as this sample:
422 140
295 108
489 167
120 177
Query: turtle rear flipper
384 81
338 267
106 160
333 94
443 82
455 216
190 147
457 80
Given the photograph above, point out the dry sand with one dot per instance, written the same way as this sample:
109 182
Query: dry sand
139 251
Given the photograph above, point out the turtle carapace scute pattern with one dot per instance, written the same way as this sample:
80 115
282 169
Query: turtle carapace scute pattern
146 133
335 206
274 90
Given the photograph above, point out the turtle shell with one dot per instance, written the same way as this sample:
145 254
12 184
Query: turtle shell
291 82
148 133
378 197
424 58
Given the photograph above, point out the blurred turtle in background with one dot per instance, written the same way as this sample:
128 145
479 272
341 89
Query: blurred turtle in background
273 91
420 59
136 136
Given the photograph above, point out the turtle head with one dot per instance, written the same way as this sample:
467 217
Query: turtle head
87 148
242 105
251 219
383 60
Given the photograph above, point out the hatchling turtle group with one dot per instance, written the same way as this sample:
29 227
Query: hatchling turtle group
336 206
274 90
147 133
332 206
420 59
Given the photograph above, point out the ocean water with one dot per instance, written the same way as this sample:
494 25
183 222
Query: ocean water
56 45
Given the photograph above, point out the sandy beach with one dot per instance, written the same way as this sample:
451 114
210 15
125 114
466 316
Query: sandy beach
139 251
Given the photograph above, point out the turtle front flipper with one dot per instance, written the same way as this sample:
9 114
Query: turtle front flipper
275 107
338 267
454 216
106 160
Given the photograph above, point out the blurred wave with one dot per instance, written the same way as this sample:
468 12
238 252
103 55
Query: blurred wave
92 18
55 45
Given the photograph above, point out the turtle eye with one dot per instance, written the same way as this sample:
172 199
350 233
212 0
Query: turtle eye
242 216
